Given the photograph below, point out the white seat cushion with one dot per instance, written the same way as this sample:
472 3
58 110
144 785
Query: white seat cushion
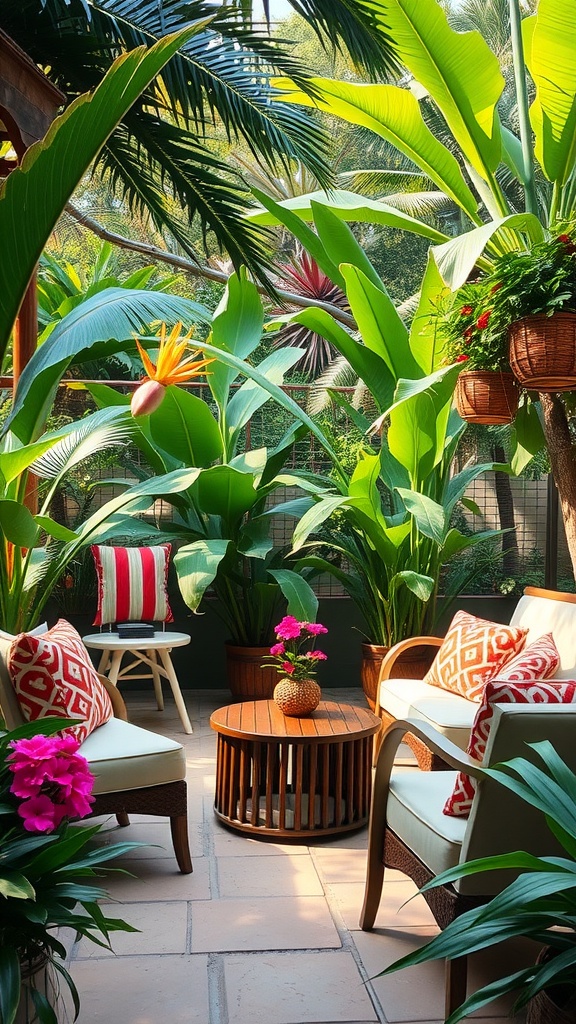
449 713
122 756
542 615
415 803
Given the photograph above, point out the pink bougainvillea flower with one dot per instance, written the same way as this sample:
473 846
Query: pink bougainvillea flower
462 359
171 368
288 629
39 814
277 649
287 667
315 628
318 656
466 310
483 320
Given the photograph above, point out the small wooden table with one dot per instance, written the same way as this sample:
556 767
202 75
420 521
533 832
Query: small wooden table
293 776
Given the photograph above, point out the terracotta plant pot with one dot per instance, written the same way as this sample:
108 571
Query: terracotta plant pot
297 698
543 352
489 397
413 664
246 677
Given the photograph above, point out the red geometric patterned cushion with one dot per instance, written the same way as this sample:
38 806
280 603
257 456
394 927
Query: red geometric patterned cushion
539 660
502 692
472 652
132 584
53 677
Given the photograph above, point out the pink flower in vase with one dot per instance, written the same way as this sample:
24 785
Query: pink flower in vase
287 667
288 629
277 650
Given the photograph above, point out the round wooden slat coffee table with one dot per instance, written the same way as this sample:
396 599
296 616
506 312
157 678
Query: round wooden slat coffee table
293 776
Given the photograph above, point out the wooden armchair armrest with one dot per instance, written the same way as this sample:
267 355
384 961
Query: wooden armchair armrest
389 660
436 741
118 705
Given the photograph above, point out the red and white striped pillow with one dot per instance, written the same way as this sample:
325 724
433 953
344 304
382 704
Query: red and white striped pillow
53 676
132 584
500 691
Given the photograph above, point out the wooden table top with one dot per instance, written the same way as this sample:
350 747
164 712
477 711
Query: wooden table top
262 720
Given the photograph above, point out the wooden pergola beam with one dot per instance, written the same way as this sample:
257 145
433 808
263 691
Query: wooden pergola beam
28 105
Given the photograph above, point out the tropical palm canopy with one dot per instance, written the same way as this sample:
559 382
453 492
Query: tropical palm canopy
162 156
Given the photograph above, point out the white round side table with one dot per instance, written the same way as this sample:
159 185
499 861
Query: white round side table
151 651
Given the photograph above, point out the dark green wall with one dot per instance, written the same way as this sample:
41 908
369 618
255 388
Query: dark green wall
201 665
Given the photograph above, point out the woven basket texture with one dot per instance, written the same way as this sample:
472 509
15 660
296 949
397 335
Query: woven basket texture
543 352
489 397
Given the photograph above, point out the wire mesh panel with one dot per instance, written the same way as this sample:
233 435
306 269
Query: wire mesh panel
495 501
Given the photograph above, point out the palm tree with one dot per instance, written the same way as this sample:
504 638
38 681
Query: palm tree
162 156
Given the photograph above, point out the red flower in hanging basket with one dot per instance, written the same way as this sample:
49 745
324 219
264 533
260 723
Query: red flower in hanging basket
462 359
483 320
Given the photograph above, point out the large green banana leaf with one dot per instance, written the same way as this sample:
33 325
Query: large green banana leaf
347 206
458 69
52 168
456 259
99 326
549 53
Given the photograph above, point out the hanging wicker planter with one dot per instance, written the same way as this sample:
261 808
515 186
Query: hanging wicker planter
487 396
543 352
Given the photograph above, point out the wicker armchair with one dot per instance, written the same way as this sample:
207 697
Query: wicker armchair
409 832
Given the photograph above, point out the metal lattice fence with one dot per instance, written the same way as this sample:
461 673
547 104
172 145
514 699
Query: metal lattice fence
535 550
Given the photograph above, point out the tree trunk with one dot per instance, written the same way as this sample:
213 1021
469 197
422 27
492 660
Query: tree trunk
562 453
505 504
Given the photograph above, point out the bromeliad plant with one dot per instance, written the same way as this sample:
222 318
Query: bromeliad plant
294 653
539 904
47 865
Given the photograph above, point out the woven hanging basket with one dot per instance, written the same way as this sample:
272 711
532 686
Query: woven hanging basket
487 396
543 352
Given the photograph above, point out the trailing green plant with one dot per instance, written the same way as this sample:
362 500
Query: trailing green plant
539 904
48 866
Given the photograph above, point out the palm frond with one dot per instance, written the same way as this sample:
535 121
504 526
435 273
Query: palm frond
93 434
421 205
338 374
379 181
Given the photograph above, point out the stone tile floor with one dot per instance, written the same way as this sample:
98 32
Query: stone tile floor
261 931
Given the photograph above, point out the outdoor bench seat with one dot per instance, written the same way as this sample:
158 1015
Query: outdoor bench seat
539 611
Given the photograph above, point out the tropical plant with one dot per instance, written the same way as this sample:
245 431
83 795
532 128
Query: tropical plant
460 76
468 330
34 548
539 904
47 865
223 521
396 506
161 154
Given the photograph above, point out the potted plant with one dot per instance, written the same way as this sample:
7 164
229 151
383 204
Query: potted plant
47 867
223 522
539 904
535 301
394 510
486 391
295 658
